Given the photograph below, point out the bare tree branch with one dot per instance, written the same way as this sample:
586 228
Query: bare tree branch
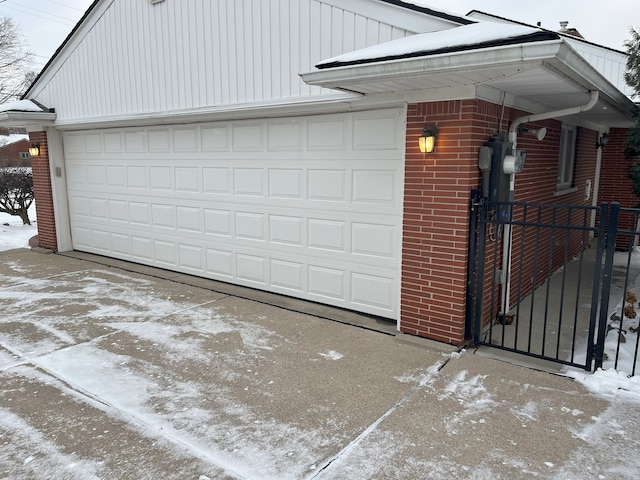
15 60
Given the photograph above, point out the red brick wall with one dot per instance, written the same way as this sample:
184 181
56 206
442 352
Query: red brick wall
436 211
9 154
615 185
43 193
436 216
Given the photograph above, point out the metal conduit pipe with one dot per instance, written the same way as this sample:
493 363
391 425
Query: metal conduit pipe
513 138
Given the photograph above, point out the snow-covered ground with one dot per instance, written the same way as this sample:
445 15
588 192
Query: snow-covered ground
13 234
608 382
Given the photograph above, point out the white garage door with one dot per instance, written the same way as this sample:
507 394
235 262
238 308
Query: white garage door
309 207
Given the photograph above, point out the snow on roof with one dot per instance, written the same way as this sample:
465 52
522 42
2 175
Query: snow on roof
12 138
21 106
453 39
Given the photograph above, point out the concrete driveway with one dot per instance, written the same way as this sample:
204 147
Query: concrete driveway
115 374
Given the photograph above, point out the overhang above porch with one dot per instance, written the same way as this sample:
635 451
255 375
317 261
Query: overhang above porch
526 71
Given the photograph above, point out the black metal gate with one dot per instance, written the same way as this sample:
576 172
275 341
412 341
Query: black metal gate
548 296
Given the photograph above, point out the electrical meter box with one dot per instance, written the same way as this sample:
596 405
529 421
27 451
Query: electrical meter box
498 180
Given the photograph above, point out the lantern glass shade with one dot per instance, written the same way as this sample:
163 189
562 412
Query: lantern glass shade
427 142
34 150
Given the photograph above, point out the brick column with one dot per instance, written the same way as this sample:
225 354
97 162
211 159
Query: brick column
436 219
44 196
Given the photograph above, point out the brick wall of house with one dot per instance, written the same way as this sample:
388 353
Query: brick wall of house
10 154
615 185
437 192
436 216
43 193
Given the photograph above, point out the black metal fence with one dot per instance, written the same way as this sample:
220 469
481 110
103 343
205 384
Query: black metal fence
562 292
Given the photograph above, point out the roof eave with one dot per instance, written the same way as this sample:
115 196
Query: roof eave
27 119
555 55
343 76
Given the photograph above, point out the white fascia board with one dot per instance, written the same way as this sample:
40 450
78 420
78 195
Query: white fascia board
554 55
328 103
27 119
341 77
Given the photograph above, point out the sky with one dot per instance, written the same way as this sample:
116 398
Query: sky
46 23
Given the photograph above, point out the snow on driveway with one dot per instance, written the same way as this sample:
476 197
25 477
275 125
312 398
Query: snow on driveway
210 374
111 374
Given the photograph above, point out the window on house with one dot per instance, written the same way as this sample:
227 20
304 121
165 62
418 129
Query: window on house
567 155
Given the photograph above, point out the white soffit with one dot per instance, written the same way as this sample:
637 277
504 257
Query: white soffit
547 75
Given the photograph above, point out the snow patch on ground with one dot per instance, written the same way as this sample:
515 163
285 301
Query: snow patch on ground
15 234
38 455
331 355
612 385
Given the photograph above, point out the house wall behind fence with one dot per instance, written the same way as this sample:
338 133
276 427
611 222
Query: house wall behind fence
437 203
44 197
615 185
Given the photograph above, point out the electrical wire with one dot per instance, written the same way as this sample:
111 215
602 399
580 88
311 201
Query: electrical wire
65 21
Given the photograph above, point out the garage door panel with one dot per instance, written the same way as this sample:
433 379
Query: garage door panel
188 219
162 215
372 290
137 177
248 181
116 176
292 205
161 178
374 240
327 234
118 210
191 258
218 222
220 263
375 132
286 184
327 185
251 268
98 208
216 180
250 226
326 282
374 187
287 230
287 275
141 248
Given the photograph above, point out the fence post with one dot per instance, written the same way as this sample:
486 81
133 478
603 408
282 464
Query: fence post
479 277
610 250
471 262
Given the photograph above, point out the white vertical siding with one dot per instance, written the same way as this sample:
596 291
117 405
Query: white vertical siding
609 63
137 58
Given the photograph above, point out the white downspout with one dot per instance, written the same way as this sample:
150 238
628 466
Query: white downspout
513 138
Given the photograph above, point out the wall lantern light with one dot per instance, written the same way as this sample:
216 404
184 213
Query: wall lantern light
427 141
602 141
34 149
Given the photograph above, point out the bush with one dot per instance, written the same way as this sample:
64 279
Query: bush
16 192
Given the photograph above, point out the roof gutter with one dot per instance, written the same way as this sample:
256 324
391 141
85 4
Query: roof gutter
341 77
27 119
